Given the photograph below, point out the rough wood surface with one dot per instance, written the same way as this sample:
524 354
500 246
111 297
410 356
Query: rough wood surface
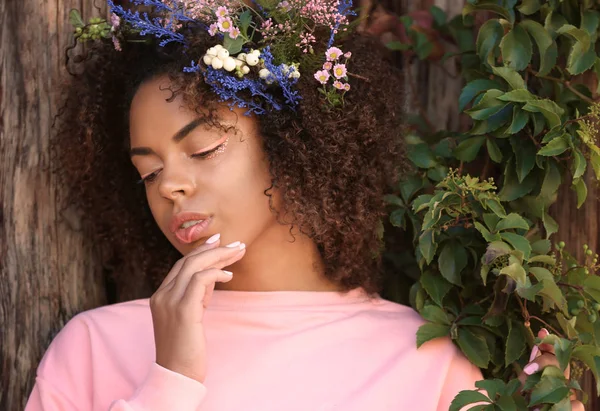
47 273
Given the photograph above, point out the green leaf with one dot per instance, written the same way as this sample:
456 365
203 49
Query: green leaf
550 224
397 217
545 45
528 7
487 106
589 21
550 289
552 179
465 398
511 188
517 96
421 155
474 347
595 161
233 46
591 286
518 242
529 291
516 272
435 285
493 150
75 19
525 152
427 245
430 331
555 147
398 46
549 390
439 15
516 48
579 35
520 118
512 221
515 343
473 88
514 79
452 260
245 21
564 405
549 109
580 60
579 164
581 190
469 148
502 11
435 314
409 187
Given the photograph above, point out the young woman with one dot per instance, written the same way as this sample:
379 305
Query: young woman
275 205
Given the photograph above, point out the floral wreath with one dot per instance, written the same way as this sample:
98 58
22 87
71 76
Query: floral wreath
259 48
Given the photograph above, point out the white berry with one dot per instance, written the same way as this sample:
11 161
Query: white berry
252 59
217 63
211 52
222 54
245 69
229 64
242 56
264 73
208 59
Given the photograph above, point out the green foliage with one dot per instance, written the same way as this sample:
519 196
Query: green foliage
488 273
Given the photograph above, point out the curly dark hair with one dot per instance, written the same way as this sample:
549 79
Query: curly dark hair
331 167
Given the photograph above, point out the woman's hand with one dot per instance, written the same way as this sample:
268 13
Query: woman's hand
178 306
541 357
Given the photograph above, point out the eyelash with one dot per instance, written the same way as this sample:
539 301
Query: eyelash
203 156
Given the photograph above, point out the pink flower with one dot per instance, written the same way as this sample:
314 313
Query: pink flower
234 32
333 54
222 12
322 76
348 55
346 86
225 24
338 84
115 21
327 65
116 43
212 30
339 70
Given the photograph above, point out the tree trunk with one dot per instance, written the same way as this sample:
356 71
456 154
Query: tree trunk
47 273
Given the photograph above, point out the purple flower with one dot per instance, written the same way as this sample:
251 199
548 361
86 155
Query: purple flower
327 65
234 32
338 84
213 29
225 24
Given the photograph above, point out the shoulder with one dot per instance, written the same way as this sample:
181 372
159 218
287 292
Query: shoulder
95 331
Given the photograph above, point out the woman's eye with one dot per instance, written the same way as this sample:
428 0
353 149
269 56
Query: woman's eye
211 153
149 178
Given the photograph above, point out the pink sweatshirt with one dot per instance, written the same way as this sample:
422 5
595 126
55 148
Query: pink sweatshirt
267 351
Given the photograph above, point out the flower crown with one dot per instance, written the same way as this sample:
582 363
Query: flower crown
260 46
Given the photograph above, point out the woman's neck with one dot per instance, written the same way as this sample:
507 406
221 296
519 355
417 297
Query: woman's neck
276 261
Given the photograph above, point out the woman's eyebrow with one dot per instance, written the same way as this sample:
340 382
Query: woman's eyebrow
180 135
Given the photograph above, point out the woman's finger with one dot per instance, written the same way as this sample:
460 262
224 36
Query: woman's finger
212 242
538 364
577 406
199 286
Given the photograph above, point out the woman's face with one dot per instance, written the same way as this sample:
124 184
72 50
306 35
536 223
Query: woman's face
200 180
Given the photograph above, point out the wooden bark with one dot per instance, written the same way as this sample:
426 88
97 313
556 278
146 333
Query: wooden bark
47 272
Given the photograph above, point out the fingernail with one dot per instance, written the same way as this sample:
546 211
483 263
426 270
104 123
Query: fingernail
534 353
242 246
213 239
545 331
531 368
227 272
233 245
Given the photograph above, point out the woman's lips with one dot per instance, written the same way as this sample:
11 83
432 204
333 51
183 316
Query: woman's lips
193 233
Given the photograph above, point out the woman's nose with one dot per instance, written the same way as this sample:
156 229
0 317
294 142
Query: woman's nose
175 182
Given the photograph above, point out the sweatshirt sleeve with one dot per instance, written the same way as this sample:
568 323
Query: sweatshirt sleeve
64 380
462 375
